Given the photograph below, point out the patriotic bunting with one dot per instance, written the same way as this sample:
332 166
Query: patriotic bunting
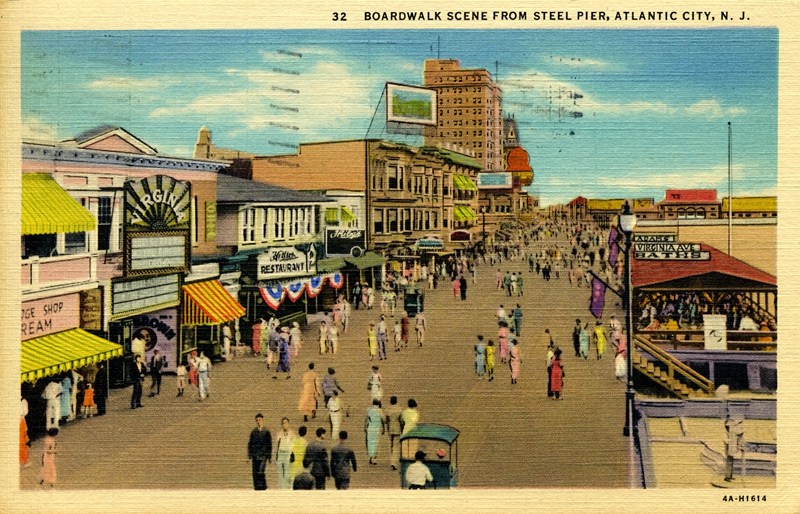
294 290
336 280
273 295
314 286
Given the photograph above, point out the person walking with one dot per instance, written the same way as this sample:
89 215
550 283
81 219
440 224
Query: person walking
576 337
203 375
303 481
600 339
259 451
520 284
48 475
52 393
296 339
317 458
514 360
330 385
308 397
77 378
192 361
404 324
157 365
490 360
323 337
342 458
88 408
373 428
335 412
557 376
375 384
551 349
463 287
409 418
372 341
518 320
620 356
138 372
584 338
392 425
480 357
382 336
283 454
283 354
420 326
298 453
66 394
502 339
24 440
397 333
180 373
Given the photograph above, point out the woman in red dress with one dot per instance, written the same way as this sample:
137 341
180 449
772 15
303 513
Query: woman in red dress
557 375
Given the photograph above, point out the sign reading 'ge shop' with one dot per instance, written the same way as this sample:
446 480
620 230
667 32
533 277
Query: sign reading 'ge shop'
286 261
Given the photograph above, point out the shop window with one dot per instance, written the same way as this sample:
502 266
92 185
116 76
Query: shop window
40 245
74 243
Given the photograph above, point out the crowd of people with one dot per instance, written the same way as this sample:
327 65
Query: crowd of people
303 464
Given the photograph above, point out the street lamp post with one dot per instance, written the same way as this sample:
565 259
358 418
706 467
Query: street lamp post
627 222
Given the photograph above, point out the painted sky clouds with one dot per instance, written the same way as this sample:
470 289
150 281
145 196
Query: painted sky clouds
603 113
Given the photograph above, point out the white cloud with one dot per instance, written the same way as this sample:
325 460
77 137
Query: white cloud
540 89
713 108
129 83
34 129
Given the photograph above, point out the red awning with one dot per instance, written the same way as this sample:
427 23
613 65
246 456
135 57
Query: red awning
208 303
720 272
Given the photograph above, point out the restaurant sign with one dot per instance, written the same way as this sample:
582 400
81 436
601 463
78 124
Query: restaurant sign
287 261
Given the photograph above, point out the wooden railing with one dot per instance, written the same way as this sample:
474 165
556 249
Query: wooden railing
673 365
694 339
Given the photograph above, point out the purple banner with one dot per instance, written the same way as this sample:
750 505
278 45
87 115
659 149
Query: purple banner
598 300
613 252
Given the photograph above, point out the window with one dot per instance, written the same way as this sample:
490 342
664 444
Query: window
104 215
392 220
280 228
435 220
377 221
427 220
407 219
248 225
435 187
74 242
42 245
427 185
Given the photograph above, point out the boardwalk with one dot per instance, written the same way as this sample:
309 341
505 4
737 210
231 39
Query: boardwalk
512 436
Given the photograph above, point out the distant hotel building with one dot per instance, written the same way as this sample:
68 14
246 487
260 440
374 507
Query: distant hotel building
470 110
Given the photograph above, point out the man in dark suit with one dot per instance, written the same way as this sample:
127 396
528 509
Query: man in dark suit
157 364
138 372
259 451
317 457
341 458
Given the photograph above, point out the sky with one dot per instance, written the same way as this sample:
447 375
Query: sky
602 113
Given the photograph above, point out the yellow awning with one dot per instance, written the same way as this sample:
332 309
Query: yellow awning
208 303
56 353
331 215
48 209
464 213
464 183
347 214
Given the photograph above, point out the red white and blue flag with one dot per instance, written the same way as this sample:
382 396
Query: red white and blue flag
294 290
335 279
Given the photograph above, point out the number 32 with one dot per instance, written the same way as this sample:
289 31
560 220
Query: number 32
339 16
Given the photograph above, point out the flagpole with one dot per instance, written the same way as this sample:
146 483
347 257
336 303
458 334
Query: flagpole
730 182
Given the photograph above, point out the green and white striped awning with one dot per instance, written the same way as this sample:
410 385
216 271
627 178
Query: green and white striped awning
56 353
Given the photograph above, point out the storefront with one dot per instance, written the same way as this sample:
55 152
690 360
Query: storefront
206 311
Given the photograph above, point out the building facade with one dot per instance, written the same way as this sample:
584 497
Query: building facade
469 110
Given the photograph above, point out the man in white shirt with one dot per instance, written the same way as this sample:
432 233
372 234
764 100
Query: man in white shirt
418 474
203 370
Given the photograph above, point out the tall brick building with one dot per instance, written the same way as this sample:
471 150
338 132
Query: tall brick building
470 113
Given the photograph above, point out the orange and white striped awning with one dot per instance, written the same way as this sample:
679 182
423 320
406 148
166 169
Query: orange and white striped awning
208 303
